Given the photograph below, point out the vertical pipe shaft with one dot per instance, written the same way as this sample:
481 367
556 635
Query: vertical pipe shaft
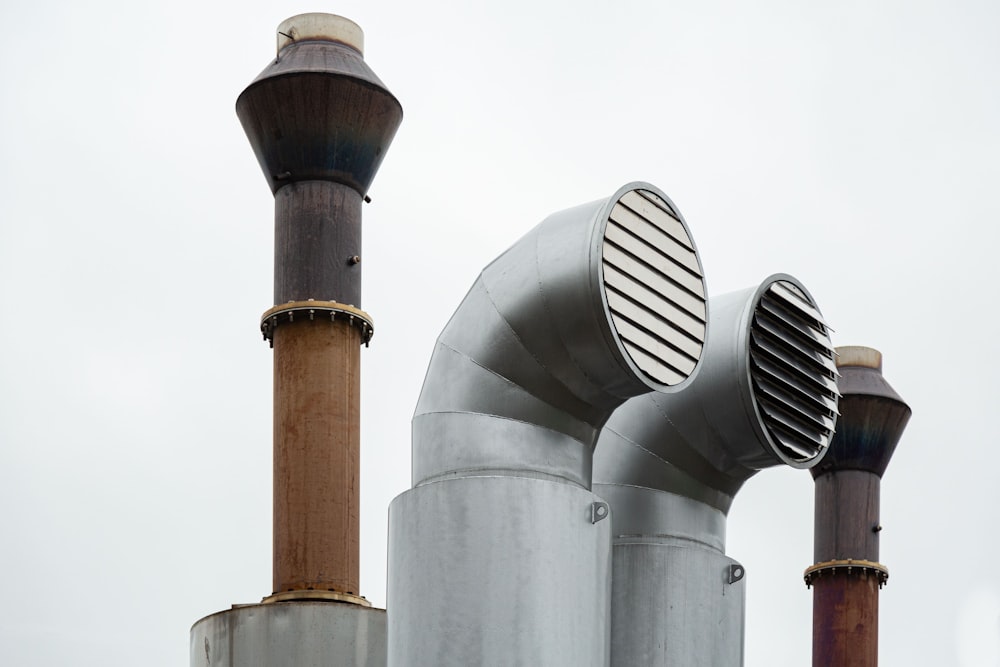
845 621
316 391
317 233
845 597
316 456
846 576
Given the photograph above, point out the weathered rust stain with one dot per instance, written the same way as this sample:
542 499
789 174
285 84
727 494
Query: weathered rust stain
316 456
845 620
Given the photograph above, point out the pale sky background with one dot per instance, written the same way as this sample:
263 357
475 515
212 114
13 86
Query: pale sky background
853 145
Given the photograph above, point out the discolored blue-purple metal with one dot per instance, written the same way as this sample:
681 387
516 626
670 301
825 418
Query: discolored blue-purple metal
872 418
318 112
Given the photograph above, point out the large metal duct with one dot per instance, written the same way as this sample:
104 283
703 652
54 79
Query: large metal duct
499 554
319 122
670 465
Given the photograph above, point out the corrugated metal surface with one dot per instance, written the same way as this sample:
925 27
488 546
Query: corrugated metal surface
654 287
793 371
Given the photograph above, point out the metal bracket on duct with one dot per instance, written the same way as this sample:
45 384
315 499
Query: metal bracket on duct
669 466
495 556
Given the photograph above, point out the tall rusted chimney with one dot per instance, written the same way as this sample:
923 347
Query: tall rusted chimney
847 574
319 122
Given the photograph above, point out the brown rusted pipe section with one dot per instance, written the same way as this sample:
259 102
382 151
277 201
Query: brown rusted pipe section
845 596
317 382
319 122
847 576
845 621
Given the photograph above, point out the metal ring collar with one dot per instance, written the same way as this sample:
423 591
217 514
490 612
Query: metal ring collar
311 309
833 566
316 596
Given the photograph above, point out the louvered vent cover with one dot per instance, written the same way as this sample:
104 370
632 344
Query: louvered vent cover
793 371
654 287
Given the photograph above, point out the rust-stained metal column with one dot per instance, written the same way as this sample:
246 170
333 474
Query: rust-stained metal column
847 574
319 121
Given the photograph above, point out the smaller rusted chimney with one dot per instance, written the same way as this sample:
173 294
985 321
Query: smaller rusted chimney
847 575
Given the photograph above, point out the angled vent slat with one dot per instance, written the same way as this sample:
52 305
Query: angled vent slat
679 360
654 366
652 235
655 210
656 304
777 415
692 302
782 337
805 372
795 298
823 400
811 336
821 418
655 317
671 267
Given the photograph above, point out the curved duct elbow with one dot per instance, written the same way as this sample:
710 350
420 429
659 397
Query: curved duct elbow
766 394
597 304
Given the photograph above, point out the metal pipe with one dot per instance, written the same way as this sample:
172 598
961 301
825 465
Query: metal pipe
319 122
500 554
317 382
847 574
670 466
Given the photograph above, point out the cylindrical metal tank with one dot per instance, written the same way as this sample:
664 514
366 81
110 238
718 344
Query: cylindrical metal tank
498 571
290 634
500 554
846 576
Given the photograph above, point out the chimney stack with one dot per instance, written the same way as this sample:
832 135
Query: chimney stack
847 574
319 122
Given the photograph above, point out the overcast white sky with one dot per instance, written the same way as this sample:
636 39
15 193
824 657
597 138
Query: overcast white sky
854 146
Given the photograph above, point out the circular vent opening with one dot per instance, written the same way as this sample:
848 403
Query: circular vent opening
654 287
793 371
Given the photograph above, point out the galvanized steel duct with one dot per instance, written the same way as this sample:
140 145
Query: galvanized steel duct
670 465
498 555
597 304
766 394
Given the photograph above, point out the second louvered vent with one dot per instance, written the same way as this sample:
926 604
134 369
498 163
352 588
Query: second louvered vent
793 371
